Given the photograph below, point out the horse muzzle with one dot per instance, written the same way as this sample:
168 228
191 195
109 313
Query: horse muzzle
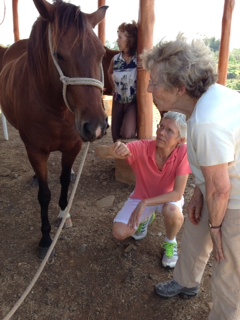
90 132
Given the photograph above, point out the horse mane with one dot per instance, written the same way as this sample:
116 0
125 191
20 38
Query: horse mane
66 15
2 51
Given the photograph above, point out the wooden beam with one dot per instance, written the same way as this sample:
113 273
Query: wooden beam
225 41
146 20
15 20
102 24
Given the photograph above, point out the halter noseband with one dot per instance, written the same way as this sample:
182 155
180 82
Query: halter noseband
71 81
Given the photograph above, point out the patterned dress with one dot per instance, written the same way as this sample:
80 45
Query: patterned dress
125 79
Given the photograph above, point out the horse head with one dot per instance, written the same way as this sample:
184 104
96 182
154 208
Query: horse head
64 36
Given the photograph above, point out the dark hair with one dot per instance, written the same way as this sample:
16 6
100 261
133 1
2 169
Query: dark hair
132 35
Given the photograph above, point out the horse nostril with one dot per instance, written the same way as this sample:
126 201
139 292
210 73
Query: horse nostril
88 131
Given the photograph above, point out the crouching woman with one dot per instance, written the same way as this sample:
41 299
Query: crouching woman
161 169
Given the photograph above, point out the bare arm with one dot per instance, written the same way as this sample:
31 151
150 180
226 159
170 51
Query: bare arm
217 195
117 150
175 195
217 191
195 206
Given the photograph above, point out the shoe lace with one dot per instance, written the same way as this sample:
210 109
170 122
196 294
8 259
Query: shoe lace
169 248
172 285
142 227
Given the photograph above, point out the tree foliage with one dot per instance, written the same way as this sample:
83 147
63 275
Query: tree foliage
233 77
213 43
112 45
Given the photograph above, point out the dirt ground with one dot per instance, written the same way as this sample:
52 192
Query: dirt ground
93 277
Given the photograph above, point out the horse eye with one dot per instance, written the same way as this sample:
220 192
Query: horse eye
58 56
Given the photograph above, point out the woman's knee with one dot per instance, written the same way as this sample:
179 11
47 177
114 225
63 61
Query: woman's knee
172 212
119 231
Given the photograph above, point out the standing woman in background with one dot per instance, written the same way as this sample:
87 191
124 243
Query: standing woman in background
122 75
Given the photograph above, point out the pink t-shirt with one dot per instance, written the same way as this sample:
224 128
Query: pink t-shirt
150 181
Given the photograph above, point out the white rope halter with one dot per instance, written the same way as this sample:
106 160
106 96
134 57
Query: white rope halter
71 81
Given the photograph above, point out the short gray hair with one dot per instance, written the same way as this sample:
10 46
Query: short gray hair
180 120
182 64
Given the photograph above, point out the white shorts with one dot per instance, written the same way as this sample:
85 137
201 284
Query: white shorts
125 213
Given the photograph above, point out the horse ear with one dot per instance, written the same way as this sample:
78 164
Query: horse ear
97 16
44 8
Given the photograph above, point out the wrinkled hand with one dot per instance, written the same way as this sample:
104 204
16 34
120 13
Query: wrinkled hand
195 207
119 150
134 220
217 244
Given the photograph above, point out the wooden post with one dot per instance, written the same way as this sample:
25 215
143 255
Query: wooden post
15 20
102 24
146 19
225 41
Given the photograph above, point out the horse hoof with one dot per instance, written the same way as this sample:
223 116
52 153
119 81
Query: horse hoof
42 251
68 223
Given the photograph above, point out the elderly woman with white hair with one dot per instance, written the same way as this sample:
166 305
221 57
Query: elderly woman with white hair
184 79
161 169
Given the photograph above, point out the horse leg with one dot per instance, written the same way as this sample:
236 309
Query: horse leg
39 164
34 181
44 197
65 178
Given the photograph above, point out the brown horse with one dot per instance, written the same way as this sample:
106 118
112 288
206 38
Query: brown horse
51 92
2 52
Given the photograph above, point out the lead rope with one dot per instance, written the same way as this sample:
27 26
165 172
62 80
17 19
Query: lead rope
42 265
71 81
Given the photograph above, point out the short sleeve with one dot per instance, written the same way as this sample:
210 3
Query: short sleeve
213 144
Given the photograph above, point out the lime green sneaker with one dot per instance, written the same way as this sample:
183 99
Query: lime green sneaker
141 232
170 256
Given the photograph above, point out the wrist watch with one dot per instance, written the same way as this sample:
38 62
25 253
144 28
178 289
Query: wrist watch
213 227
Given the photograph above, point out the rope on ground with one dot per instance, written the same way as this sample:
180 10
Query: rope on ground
42 265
